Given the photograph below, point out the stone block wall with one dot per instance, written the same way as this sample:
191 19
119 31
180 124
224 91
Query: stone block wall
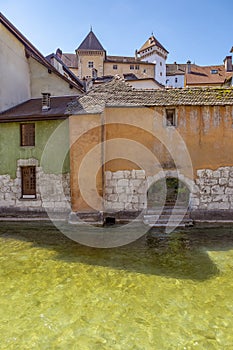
213 190
125 190
52 190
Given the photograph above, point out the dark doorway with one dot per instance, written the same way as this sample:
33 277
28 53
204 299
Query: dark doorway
168 191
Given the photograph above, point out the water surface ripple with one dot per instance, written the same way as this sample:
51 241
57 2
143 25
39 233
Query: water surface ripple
160 292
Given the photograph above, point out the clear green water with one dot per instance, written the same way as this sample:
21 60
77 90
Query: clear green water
156 293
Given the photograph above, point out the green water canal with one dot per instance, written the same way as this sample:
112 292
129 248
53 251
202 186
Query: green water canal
158 293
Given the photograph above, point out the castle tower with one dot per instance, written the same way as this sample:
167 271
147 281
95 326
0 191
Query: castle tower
152 51
91 56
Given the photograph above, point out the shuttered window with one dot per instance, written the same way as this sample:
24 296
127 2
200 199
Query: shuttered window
27 134
28 175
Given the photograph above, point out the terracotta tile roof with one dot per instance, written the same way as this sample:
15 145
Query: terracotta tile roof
207 75
152 41
32 110
118 93
90 43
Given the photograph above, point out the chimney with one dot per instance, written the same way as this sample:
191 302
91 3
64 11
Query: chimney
188 70
228 63
59 53
45 101
136 55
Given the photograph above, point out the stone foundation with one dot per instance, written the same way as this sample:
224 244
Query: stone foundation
125 190
213 190
52 191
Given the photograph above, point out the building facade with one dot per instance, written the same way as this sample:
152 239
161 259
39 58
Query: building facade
91 61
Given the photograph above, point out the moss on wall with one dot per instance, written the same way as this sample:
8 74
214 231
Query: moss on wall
10 150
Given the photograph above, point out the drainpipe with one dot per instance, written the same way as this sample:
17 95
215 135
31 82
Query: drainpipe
103 157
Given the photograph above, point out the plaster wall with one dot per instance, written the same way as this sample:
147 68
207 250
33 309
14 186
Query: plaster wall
10 135
14 71
176 81
98 63
144 71
137 139
43 81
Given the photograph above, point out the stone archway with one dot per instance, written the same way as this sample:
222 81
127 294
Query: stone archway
168 191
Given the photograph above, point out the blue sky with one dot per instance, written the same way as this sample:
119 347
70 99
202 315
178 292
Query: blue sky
201 31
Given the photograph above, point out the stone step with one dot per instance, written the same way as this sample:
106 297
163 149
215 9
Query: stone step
167 225
167 216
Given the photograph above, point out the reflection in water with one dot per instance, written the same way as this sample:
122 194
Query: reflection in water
160 292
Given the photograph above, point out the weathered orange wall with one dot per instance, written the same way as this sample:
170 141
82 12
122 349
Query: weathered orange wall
85 134
203 133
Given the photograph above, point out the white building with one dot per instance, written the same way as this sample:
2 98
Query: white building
153 52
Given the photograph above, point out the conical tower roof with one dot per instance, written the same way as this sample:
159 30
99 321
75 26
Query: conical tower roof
90 43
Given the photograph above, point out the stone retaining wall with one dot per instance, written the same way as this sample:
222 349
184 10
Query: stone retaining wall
52 191
125 190
214 189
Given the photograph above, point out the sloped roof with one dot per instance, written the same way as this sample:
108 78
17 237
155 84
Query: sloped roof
175 69
152 41
65 68
90 43
203 75
119 94
32 110
70 60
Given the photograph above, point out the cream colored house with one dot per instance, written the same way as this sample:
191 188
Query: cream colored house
24 71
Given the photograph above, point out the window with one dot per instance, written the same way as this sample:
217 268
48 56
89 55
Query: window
161 73
144 70
114 66
137 66
176 80
90 64
28 176
27 134
131 66
171 117
214 71
160 63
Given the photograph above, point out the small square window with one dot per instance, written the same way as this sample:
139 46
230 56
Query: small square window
114 66
171 117
131 66
27 134
90 64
